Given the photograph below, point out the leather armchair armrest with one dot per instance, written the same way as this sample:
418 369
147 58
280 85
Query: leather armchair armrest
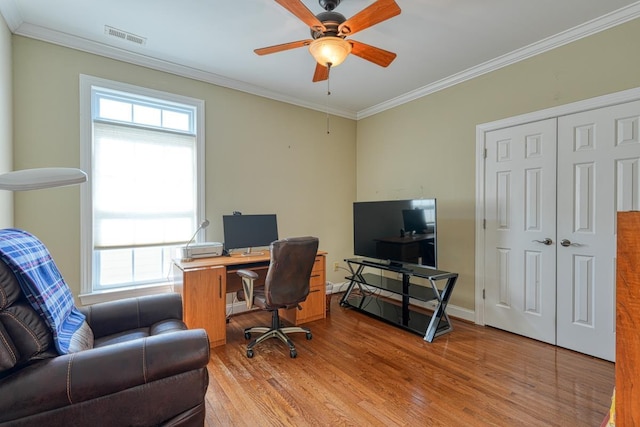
132 313
77 377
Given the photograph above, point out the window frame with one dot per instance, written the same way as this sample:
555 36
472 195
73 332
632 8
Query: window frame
89 295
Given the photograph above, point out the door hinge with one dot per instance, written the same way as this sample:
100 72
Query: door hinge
483 294
484 224
485 153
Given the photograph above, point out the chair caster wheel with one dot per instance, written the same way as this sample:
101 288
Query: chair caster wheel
249 354
293 354
309 336
247 335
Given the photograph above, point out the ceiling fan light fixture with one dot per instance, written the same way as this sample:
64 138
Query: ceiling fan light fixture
330 50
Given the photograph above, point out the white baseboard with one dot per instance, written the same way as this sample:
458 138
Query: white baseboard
238 307
340 287
452 310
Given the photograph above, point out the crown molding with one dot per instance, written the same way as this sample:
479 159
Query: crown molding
11 12
594 26
89 46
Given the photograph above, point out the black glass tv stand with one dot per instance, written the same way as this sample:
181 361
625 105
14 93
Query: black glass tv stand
363 294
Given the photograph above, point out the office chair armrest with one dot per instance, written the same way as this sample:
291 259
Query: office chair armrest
248 274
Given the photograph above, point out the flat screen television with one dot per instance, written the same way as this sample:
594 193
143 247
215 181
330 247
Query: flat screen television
249 231
396 231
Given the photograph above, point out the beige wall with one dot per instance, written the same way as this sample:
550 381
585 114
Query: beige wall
262 156
431 141
6 120
425 148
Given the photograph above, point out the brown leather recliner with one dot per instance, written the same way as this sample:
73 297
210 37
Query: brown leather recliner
145 367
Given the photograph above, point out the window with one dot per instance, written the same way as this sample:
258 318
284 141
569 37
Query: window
143 152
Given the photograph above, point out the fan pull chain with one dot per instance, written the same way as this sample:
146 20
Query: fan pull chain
328 94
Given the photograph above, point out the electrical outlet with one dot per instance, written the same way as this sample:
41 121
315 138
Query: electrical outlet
336 265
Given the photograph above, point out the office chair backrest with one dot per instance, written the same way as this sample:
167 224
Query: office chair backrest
287 281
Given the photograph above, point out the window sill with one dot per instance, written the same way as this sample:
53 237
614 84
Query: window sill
116 294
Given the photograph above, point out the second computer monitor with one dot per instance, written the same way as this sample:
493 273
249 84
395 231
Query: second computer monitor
249 231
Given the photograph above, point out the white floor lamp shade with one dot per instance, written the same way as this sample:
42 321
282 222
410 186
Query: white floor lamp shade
35 179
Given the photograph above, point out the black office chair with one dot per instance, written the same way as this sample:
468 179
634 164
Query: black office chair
285 286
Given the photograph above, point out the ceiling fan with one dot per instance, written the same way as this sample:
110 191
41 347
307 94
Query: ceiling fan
329 30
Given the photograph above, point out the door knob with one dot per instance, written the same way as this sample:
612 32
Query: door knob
547 241
567 243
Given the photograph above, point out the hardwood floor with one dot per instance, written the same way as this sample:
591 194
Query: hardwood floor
358 371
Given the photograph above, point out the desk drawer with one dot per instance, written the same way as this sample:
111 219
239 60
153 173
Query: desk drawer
314 307
317 279
318 265
318 273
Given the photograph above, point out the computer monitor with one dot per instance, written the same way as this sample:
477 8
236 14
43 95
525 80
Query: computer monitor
415 221
249 231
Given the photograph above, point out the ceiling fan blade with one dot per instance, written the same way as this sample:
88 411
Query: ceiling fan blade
321 73
281 47
371 53
369 16
303 13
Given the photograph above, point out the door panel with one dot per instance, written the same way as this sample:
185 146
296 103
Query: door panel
520 214
598 154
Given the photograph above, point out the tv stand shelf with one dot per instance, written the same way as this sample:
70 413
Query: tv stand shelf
400 313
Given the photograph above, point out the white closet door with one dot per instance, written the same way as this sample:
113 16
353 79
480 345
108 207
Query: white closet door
598 174
520 212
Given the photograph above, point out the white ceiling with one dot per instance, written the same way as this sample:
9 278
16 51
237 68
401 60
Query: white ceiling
438 42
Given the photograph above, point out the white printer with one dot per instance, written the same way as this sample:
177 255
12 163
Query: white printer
201 250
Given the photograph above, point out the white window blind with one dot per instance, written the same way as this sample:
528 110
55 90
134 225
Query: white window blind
142 201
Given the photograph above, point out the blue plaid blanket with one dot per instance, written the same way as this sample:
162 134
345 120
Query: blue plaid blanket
42 283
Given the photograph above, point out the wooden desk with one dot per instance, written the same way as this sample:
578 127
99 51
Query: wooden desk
204 283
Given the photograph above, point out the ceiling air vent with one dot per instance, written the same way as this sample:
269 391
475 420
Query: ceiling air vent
123 35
